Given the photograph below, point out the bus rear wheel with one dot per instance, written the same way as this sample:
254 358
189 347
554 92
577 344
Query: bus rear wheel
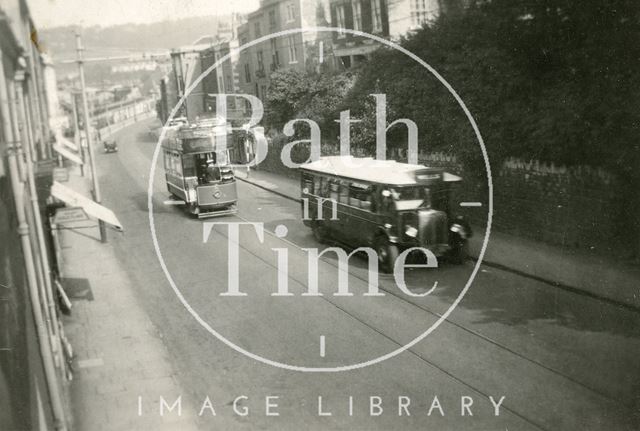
387 254
320 233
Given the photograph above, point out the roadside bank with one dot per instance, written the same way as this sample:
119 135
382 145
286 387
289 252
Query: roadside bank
588 274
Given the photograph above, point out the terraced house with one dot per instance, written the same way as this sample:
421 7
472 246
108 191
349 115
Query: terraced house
300 50
32 362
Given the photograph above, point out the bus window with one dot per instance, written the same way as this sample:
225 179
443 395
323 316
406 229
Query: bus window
334 188
386 201
307 183
317 185
344 192
354 196
360 196
324 187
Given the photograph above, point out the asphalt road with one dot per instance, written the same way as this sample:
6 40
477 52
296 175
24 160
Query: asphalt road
562 361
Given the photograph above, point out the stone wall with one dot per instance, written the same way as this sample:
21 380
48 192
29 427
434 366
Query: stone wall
576 207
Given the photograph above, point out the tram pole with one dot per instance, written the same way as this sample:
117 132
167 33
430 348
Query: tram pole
76 135
94 174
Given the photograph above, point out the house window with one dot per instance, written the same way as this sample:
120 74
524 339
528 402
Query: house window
291 12
228 83
340 20
256 28
275 59
376 17
293 51
272 19
260 61
357 14
247 73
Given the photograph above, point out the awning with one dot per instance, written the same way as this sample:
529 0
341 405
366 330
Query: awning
450 178
67 143
93 209
67 154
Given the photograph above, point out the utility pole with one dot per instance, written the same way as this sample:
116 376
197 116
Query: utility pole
85 107
76 135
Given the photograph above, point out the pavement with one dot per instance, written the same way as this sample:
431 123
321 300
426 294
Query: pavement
579 271
119 355
563 361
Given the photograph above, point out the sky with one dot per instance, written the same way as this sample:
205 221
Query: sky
55 13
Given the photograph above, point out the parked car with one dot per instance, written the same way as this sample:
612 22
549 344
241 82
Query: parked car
110 147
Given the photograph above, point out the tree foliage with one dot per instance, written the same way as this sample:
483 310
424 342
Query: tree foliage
554 80
294 94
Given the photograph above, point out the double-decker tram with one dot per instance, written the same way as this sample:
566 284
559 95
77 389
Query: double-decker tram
197 168
384 204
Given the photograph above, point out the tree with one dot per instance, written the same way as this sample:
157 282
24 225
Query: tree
286 89
293 94
553 80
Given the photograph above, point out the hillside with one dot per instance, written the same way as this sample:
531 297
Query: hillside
131 38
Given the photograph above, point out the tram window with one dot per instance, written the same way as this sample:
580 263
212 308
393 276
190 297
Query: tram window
344 192
167 161
222 158
189 167
177 166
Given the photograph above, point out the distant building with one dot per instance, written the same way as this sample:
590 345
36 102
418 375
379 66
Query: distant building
134 66
221 80
186 64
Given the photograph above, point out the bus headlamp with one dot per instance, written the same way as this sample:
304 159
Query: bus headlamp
411 231
459 229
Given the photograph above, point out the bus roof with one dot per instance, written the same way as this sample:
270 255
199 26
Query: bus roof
378 171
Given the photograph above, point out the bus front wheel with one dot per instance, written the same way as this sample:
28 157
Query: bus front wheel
387 254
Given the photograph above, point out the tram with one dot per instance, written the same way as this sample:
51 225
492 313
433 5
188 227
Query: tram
197 168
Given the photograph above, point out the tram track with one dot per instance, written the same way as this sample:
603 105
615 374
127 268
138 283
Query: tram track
439 367
501 346
376 330
572 289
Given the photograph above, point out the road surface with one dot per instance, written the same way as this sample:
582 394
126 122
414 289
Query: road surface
561 361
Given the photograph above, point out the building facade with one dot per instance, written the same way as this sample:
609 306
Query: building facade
32 370
407 15
368 16
389 19
299 50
